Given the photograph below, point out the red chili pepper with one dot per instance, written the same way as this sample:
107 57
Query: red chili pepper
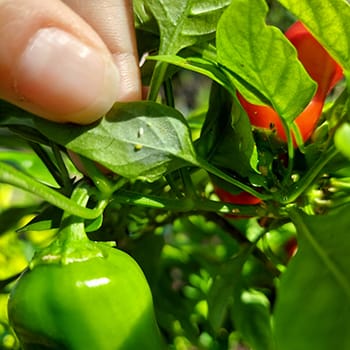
239 198
321 67
291 247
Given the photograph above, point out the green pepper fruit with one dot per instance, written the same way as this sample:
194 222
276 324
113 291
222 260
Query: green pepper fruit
78 294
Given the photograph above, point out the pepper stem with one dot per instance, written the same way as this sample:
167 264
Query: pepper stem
72 243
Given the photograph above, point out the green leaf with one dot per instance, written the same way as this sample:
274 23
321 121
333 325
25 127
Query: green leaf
94 224
9 218
144 19
262 62
227 140
20 122
12 176
313 303
49 218
136 140
181 24
29 163
251 316
184 23
11 115
329 22
199 65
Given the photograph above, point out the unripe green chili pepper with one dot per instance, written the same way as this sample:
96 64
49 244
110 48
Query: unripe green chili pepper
78 294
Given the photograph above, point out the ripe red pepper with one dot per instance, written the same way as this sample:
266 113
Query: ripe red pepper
321 67
291 247
239 198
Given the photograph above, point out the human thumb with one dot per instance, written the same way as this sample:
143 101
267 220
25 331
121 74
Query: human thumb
53 64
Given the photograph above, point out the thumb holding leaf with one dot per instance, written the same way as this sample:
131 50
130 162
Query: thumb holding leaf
53 63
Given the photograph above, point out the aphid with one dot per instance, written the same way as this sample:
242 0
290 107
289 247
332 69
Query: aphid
140 132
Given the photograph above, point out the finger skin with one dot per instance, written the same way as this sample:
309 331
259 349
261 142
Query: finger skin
26 26
113 21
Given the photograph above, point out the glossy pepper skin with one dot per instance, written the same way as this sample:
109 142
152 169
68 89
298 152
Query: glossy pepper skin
83 295
238 198
241 198
320 66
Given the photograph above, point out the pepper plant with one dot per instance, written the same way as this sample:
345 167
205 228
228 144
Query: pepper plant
232 194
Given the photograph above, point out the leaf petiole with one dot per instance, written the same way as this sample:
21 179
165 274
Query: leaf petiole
217 172
101 182
157 80
299 187
187 204
14 177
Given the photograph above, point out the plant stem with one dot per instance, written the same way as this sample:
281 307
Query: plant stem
14 177
169 93
298 137
217 172
157 80
98 178
173 185
72 227
187 204
45 158
189 187
67 183
290 148
340 184
299 187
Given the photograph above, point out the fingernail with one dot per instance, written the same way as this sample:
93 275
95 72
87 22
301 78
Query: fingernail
60 74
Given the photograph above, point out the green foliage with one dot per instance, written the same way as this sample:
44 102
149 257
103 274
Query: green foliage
225 113
262 62
328 22
316 285
29 163
186 23
222 271
146 140
200 65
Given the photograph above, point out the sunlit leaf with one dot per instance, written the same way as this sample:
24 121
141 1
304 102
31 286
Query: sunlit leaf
262 62
184 23
199 65
136 140
29 163
313 304
329 22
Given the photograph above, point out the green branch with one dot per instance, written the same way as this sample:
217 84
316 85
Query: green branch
187 204
217 172
299 187
157 80
14 177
